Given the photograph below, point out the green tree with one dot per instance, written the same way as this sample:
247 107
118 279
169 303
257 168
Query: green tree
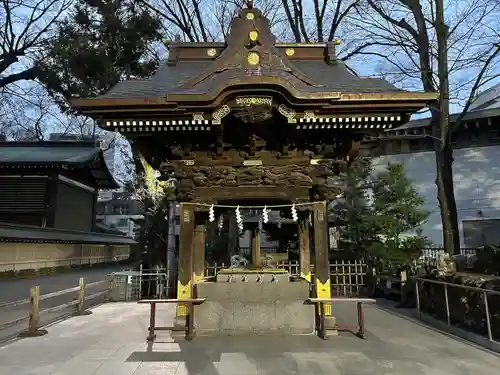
99 43
396 215
350 211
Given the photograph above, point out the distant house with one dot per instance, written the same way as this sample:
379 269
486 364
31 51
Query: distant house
476 169
120 213
48 199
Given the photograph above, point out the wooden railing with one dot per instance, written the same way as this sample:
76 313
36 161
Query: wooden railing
34 311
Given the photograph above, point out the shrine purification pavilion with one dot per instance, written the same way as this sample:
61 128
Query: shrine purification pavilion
252 123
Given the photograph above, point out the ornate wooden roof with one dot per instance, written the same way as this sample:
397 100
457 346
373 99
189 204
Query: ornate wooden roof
203 76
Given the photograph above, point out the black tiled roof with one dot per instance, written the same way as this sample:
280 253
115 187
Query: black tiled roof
63 154
169 79
28 233
469 116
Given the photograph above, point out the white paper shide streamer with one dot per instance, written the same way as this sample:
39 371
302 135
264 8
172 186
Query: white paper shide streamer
211 214
239 220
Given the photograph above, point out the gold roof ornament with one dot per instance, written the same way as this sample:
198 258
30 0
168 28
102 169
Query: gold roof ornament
253 58
253 35
249 4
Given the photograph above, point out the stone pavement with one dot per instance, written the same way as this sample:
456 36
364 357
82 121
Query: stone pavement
111 341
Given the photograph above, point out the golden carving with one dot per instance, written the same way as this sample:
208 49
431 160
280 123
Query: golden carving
253 35
290 52
248 101
220 113
250 16
253 58
288 113
211 52
198 117
309 114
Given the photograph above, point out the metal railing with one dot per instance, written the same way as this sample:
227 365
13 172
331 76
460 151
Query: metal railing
446 286
34 310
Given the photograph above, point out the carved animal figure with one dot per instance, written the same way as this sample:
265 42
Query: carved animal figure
237 261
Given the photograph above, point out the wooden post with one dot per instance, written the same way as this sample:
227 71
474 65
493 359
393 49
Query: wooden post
321 261
34 308
256 261
304 250
81 298
34 321
51 200
185 273
81 295
199 248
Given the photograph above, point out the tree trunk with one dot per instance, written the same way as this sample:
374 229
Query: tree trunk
442 135
446 197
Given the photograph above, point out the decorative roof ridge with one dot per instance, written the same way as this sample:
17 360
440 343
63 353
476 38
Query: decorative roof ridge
251 47
175 44
66 143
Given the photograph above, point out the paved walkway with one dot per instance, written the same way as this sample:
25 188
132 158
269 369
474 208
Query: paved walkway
111 341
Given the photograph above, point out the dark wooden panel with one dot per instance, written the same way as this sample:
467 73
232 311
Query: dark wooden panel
22 195
75 208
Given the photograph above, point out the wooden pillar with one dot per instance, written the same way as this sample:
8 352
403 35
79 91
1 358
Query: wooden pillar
199 248
51 202
185 273
321 261
256 261
304 249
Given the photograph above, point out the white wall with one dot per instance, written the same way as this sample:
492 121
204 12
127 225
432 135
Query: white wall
476 174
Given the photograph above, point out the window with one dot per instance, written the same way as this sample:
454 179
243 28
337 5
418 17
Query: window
122 223
117 209
100 209
125 209
481 232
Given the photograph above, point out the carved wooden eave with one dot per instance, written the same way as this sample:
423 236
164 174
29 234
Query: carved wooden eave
181 104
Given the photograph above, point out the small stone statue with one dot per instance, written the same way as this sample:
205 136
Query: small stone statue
446 265
237 261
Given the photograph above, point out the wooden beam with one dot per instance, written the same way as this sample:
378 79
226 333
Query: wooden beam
256 262
273 193
185 273
199 247
304 247
51 201
321 266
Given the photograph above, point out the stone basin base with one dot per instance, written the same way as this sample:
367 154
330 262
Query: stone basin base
251 306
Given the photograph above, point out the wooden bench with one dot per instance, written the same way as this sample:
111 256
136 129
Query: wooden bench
189 327
320 302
